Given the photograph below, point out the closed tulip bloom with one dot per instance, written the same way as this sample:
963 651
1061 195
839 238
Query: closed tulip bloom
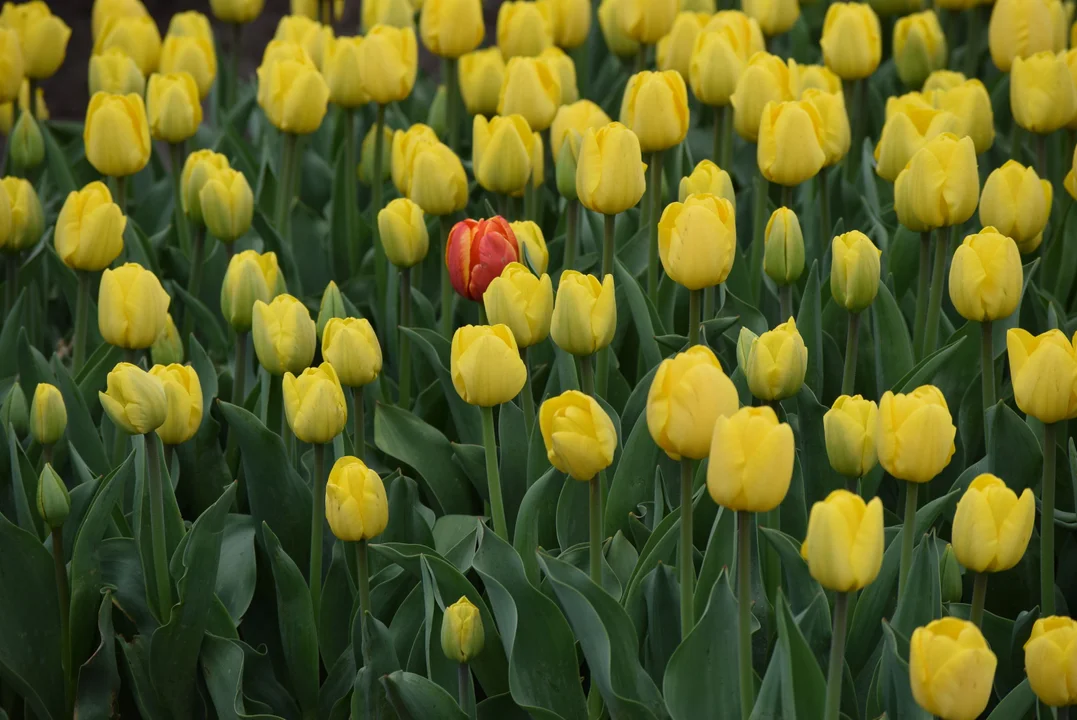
198 168
751 460
12 66
461 631
707 178
314 404
909 125
355 502
402 230
250 277
765 78
183 393
1020 29
481 74
48 415
188 46
575 117
689 393
532 245
437 181
986 276
191 23
116 134
105 10
531 88
1018 203
919 47
340 66
971 105
367 154
943 80
309 34
584 313
137 36
485 365
451 28
697 241
790 139
404 147
284 335
26 144
1051 660
818 77
717 60
564 67
835 133
134 400
353 349
951 669
168 347
1044 373
476 252
646 21
844 543
227 205
42 36
53 500
132 307
655 108
522 302
13 411
236 11
783 253
388 62
916 433
849 430
27 222
391 13
501 153
570 21
617 40
610 170
774 16
89 230
941 183
674 51
854 271
331 306
174 107
580 438
293 93
775 362
743 27
992 526
852 40
1043 96
114 71
522 29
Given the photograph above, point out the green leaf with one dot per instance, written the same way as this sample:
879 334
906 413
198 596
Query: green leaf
921 599
718 557
383 661
1015 705
205 320
466 418
810 326
893 346
633 481
641 315
59 164
438 667
819 477
1015 452
803 684
336 610
81 431
894 678
800 585
415 696
925 370
23 486
121 572
9 336
513 447
99 679
236 573
223 665
261 225
661 601
535 524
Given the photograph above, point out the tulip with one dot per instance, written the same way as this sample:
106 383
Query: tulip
609 175
689 393
531 88
783 254
707 178
351 346
852 40
405 145
567 167
1043 96
565 68
311 35
132 307
916 434
183 393
818 77
284 334
646 21
42 36
13 412
909 125
765 78
521 301
1044 373
481 75
451 28
971 105
388 63
190 24
26 144
751 460
134 400
331 306
1018 203
844 543
655 108
137 36
355 502
502 153
992 526
389 13
570 21
854 271
198 168
532 245
486 367
7 110
950 573
89 229
340 66
1020 29
168 347
402 230
584 313
105 10
236 11
774 16
188 46
986 276
834 131
744 29
12 65
697 241
522 29
367 154
919 47
114 71
437 181
941 184
292 93
617 40
227 205
951 669
674 51
797 129
579 436
53 500
174 107
849 430
48 415
314 404
1050 660
775 362
116 134
476 252
461 630
21 216
717 61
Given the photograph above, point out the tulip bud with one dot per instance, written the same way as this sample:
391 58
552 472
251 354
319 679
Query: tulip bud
502 153
751 460
167 349
986 276
835 135
184 395
89 229
351 346
404 147
198 168
476 252
717 61
388 63
1043 369
27 146
355 503
992 526
132 307
919 47
910 122
567 159
570 21
531 88
451 28
188 47
403 233
655 108
437 117
437 182
116 134
584 313
783 256
619 42
774 17
114 71
481 74
579 436
314 404
940 185
522 29
815 77
646 21
854 271
393 13
951 668
844 542
689 393
852 40
764 79
250 278
53 500
1049 656
950 571
1043 97
790 142
697 241
134 400
610 170
236 11
174 106
674 51
916 434
340 66
136 35
1020 29
521 301
849 430
27 218
485 365
367 154
12 65
284 335
42 35
707 178
775 362
310 35
332 306
565 69
971 105
14 412
291 91
461 631
48 415
532 245
227 205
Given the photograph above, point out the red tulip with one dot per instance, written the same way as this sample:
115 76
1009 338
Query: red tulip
477 252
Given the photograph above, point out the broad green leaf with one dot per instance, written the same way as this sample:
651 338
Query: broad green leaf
719 555
894 677
223 666
633 481
925 370
535 525
892 344
810 326
803 684
59 164
1015 452
466 418
921 599
1016 704
415 696
368 692
799 585
236 572
513 446
641 316
661 601
439 669
337 603
99 678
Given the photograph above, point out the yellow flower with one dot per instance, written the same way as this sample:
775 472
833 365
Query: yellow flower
189 46
575 117
368 150
970 103
284 335
992 526
765 78
919 47
795 127
1021 28
402 230
819 77
774 16
481 74
854 271
355 502
48 415
174 106
388 62
910 122
136 35
485 365
114 71
437 181
134 400
12 65
579 436
451 28
849 429
291 91
674 51
655 108
391 13
198 168
105 10
835 134
646 21
751 460
584 313
521 301
1043 97
570 21
531 88
617 40
941 184
717 61
565 68
23 220
844 543
610 170
688 395
1051 660
775 362
697 240
42 36
707 178
522 29
744 28
132 307
89 230
783 247
183 393
986 276
501 153
532 245
168 347
309 34
236 11
951 669
916 433
227 205
1018 203
117 134
852 40
191 23
314 404
352 347
1044 373
340 67
402 153
461 630
943 80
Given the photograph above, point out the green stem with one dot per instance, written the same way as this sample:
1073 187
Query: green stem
351 193
239 381
719 124
232 87
64 596
602 371
694 297
1041 155
287 435
1062 713
787 197
785 302
595 508
377 183
157 529
177 154
121 193
852 344
908 541
727 138
194 284
824 208
934 307
404 381
759 223
317 525
837 658
288 162
922 282
979 596
1017 142
1047 523
587 376
82 314
452 102
708 302
463 688
685 562
493 475
572 227
362 564
11 282
856 113
654 189
987 371
446 284
119 445
608 239
359 416
528 394
744 612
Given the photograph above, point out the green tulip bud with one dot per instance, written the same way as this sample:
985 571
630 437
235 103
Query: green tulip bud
332 307
783 256
951 576
567 158
437 116
27 145
53 501
461 631
14 412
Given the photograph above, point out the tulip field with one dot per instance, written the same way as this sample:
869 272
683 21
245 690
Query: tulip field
553 359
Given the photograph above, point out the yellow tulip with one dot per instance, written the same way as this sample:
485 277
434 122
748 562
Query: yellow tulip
919 47
532 245
104 10
852 40
655 108
188 46
114 71
174 107
388 63
1021 28
136 35
522 29
531 88
775 362
617 40
314 404
971 104
227 205
703 6
790 141
355 502
392 13
168 347
1043 369
951 669
236 11
1018 203
368 150
191 23
610 170
284 335
1051 660
570 21
116 134
835 133
42 36
12 65
1043 97
765 78
783 247
198 168
646 21
309 34
481 74
89 230
341 70
451 28
501 153
485 365
916 434
538 165
521 301
744 29
48 415
461 630
134 400
250 278
575 117
941 184
986 276
992 526
402 153
437 181
819 77
849 430
568 164
402 230
674 51
24 220
751 460
707 178
943 80
132 307
718 58
579 436
844 543
909 125
564 67
697 240
774 16
854 271
183 393
689 393
291 91
584 313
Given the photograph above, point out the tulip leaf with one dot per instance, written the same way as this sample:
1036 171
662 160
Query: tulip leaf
337 603
1014 451
801 586
641 316
921 598
23 487
415 696
893 346
513 443
1016 704
466 418
439 668
236 574
803 684
633 481
59 164
383 660
810 326
573 521
334 699
894 677
661 601
536 522
718 556
265 230
98 678
406 521
925 370
223 668
9 336
206 322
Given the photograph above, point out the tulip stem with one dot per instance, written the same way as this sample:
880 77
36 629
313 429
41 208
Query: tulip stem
979 596
852 159
239 380
463 688
837 658
602 372
285 185
972 46
907 536
785 302
595 507
404 380
11 282
82 313
987 371
351 193
685 562
587 375
157 529
708 302
727 137
1041 155
744 612
921 294
63 595
528 394
694 298
359 415
852 344
377 182
1047 524
572 227
362 564
759 222
121 193
493 476
183 229
452 102
934 308
317 522
233 86
194 284
824 207
608 241
446 284
654 188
